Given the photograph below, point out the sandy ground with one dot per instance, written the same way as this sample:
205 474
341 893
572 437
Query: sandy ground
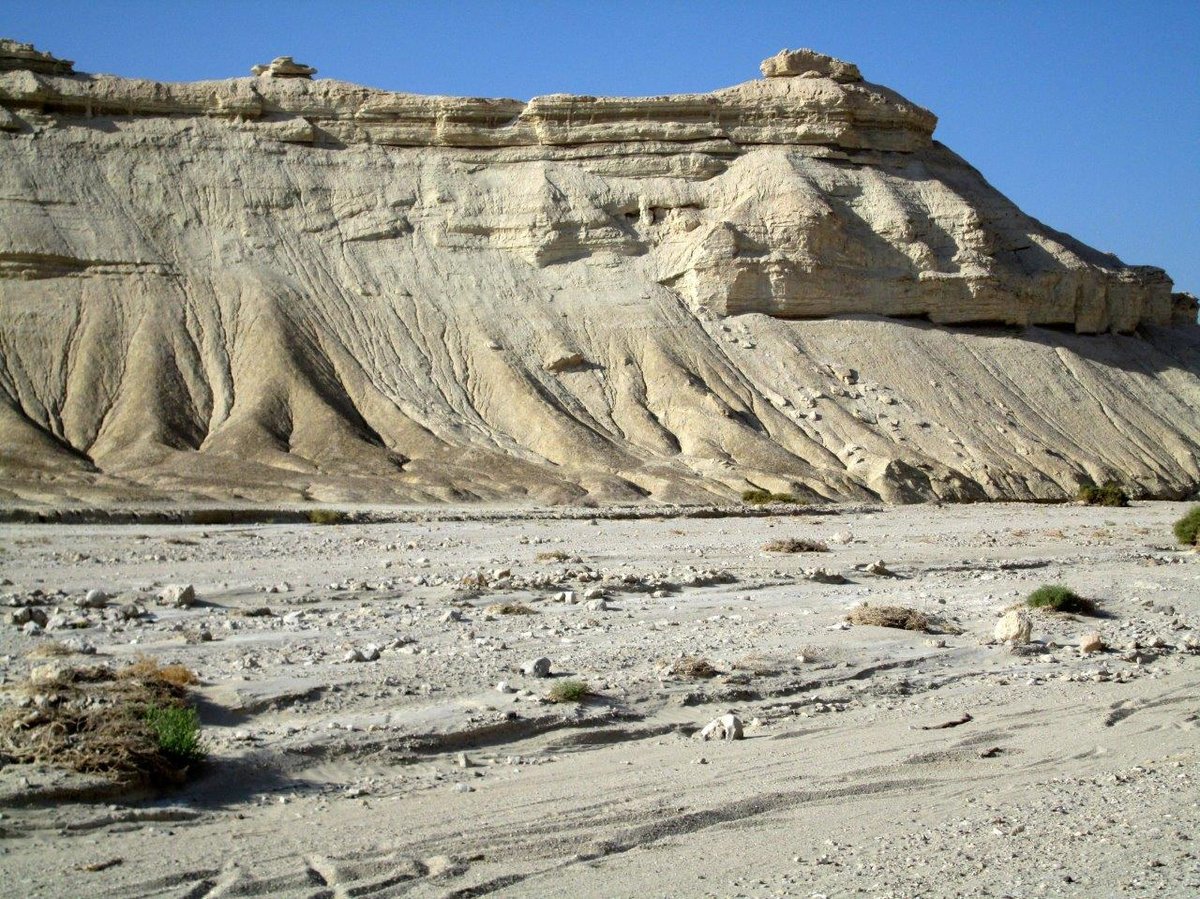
411 774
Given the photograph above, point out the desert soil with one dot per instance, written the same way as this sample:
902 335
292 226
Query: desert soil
335 773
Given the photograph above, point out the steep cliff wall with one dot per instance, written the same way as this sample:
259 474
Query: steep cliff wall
278 287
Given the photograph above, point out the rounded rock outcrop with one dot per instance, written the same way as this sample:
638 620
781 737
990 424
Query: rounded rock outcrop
811 64
283 67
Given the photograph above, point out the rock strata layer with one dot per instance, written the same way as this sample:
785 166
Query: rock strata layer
279 287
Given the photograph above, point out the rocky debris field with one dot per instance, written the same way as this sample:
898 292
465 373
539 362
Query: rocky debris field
648 706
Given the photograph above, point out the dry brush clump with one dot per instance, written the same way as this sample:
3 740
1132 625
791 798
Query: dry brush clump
795 545
689 668
900 617
509 608
51 649
133 724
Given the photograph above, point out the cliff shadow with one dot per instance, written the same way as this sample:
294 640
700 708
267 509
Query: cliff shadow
1151 350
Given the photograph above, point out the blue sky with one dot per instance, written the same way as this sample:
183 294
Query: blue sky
1087 114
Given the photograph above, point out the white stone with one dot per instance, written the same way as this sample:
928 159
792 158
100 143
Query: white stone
180 596
1016 627
727 727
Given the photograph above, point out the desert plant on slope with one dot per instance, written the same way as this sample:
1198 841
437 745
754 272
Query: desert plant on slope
1187 529
1110 494
1060 599
568 691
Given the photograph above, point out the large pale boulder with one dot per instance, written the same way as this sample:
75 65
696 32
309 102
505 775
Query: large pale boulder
1016 627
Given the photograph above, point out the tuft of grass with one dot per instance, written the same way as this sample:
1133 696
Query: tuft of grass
793 545
555 555
900 617
149 670
509 608
762 497
177 732
1187 529
569 691
1060 599
1109 494
328 516
50 649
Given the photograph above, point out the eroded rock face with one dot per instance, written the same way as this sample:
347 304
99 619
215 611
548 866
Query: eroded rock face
809 64
283 67
350 292
15 55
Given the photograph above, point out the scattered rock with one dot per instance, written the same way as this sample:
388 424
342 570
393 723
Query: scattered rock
879 569
95 599
727 727
181 596
1016 627
824 576
1090 643
539 667
565 362
29 615
369 653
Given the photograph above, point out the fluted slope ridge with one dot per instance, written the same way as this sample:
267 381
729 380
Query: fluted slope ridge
278 287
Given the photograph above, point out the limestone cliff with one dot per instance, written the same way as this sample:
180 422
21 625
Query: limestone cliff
287 287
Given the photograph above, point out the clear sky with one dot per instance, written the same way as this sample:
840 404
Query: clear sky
1085 112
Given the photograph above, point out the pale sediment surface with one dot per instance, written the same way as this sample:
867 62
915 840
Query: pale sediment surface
1075 774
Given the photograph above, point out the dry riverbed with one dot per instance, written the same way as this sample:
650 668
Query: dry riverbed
376 726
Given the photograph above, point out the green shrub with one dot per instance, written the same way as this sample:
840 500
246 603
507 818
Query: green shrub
1060 599
1110 494
762 497
568 691
177 729
1187 529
